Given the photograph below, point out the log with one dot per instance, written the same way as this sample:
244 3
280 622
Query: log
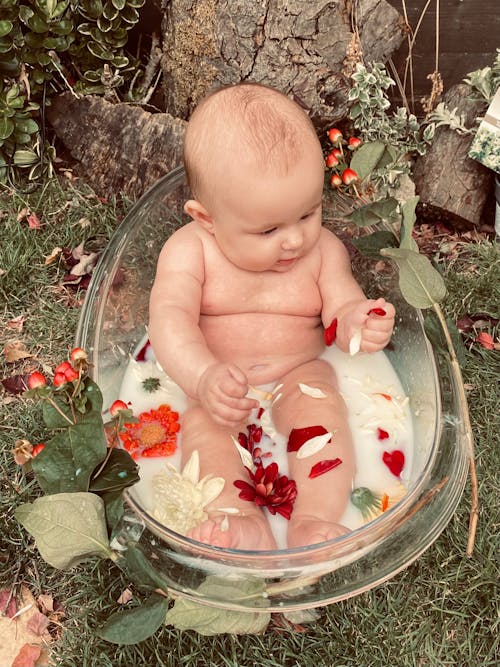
305 48
118 147
452 187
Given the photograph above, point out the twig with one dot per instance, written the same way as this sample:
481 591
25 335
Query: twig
474 509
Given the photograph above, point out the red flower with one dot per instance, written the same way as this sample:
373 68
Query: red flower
349 176
36 380
269 489
154 434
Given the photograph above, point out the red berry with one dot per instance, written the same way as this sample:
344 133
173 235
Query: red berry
77 354
335 135
116 407
59 379
63 366
71 374
36 380
354 143
336 181
349 176
331 160
37 449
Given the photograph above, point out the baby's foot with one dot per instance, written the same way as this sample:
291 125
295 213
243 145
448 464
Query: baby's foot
235 532
304 530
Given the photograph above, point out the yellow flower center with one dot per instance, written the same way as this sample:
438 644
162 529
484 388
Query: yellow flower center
152 434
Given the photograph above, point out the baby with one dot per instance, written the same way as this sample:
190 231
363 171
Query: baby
241 298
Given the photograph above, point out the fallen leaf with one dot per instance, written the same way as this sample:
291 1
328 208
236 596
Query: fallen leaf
46 603
17 323
15 351
486 340
8 606
15 384
33 221
84 223
23 214
27 656
125 596
38 623
53 256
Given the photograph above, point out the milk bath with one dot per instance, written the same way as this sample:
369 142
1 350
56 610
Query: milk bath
379 417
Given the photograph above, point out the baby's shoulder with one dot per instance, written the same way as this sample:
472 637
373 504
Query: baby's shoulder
330 244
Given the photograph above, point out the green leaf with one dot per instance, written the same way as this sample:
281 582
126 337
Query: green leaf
135 625
67 527
25 13
436 335
119 472
366 158
99 51
371 244
134 562
27 125
119 4
208 621
6 127
120 61
37 24
5 27
372 214
25 158
407 223
69 459
420 284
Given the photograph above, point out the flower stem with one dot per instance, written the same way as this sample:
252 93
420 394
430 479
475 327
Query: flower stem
474 509
58 409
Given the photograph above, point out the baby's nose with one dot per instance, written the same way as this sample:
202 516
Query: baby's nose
292 240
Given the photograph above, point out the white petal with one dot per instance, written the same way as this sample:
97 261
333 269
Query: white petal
224 524
245 456
191 470
313 445
227 510
277 388
355 343
211 489
313 392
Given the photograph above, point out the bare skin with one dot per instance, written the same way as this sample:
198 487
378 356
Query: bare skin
241 297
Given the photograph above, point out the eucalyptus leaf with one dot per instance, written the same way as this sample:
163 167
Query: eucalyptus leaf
366 158
371 244
135 625
420 283
69 459
67 527
209 621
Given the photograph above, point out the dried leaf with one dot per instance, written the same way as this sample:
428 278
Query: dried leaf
27 656
38 623
486 341
125 597
8 605
23 214
33 221
15 351
53 256
46 603
15 384
17 323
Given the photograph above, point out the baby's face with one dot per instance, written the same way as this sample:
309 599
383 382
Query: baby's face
266 222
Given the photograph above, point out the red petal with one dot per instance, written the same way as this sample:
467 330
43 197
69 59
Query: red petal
330 333
395 461
247 492
298 436
324 466
381 434
377 311
141 355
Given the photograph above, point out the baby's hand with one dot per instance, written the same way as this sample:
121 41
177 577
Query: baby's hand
373 319
221 391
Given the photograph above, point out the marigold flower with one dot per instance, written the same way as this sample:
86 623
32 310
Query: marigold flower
269 489
154 433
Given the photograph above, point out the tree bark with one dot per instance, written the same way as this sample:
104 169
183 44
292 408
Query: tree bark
453 187
118 147
305 48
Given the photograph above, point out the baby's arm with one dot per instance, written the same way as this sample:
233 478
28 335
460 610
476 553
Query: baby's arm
177 340
343 299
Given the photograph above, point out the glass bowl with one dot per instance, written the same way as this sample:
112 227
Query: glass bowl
111 327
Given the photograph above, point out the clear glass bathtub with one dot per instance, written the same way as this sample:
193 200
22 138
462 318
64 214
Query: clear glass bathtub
111 326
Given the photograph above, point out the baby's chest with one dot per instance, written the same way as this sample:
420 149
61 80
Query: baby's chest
227 292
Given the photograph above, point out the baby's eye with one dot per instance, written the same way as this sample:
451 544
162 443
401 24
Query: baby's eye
307 215
269 231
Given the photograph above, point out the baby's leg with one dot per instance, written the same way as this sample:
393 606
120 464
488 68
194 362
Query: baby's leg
321 501
219 457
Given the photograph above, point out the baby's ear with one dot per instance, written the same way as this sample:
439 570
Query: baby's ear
199 214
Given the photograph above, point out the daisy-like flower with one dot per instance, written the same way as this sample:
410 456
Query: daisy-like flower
154 433
371 505
269 489
181 497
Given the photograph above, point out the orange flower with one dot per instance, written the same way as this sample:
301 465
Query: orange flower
154 434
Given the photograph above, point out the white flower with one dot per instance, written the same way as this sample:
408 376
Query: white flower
180 497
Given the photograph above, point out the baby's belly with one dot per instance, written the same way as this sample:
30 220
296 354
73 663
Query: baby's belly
265 346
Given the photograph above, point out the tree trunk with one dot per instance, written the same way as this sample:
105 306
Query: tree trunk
453 187
305 48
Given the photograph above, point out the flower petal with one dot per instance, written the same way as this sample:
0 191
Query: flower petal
313 392
355 343
324 466
191 470
211 488
314 445
298 436
395 461
245 456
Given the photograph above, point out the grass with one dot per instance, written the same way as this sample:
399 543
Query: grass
441 611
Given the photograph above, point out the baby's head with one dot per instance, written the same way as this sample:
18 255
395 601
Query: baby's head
242 128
